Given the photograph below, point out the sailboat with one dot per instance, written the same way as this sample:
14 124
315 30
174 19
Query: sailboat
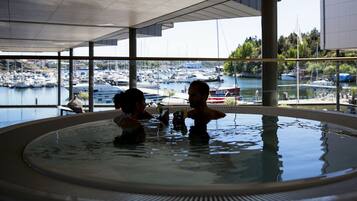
318 81
298 42
220 94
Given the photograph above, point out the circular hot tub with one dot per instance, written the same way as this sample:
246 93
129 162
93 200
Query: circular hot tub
252 153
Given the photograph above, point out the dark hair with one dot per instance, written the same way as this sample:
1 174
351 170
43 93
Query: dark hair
118 100
130 98
202 87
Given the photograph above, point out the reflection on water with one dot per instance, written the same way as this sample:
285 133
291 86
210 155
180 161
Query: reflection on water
241 148
270 157
198 133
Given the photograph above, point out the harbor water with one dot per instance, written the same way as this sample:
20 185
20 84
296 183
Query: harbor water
249 89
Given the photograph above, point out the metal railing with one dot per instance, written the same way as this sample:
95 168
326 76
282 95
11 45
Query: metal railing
100 58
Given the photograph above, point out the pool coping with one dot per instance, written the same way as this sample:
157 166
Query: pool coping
330 117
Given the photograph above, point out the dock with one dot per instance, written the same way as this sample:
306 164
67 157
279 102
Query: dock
313 86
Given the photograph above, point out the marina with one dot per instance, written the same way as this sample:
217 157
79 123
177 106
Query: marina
164 82
249 91
273 117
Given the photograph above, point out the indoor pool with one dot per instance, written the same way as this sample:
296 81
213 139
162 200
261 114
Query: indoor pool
243 149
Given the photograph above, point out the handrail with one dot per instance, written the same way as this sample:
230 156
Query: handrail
48 106
177 58
112 106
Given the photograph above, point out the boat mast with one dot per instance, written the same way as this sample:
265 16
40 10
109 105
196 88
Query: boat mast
297 62
217 38
219 70
297 73
317 56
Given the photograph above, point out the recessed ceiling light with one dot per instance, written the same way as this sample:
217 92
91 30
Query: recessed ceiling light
61 43
4 24
104 25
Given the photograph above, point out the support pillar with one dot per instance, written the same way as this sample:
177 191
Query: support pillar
70 73
270 50
8 65
59 79
338 82
91 77
132 56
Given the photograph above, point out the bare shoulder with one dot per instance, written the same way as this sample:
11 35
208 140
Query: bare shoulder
215 114
191 113
118 119
126 122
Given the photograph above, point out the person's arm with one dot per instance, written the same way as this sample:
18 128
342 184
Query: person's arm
118 119
146 115
191 114
164 117
219 114
126 122
212 114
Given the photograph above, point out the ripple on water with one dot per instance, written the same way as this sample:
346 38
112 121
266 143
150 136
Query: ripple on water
242 148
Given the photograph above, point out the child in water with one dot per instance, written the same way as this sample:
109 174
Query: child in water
132 103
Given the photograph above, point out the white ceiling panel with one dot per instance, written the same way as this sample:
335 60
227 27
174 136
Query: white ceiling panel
196 16
223 10
82 12
180 19
220 13
94 12
244 9
4 11
88 5
17 30
34 46
228 9
4 30
61 24
137 12
32 10
54 32
24 31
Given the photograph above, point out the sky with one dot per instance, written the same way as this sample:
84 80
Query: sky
199 39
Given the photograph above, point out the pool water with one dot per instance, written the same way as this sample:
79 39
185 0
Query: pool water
243 148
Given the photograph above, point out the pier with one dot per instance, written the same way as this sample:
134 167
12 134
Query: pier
313 86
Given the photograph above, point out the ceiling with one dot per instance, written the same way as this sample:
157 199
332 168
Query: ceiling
56 25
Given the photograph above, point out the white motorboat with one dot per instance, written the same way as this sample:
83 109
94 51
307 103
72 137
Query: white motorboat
101 87
322 83
288 76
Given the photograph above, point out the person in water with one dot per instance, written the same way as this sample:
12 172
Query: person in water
201 114
118 100
197 95
132 103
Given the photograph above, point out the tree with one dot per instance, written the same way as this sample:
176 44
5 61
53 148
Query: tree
329 70
346 68
250 49
282 66
313 67
287 48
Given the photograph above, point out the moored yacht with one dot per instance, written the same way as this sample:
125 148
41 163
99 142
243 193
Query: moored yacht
100 87
219 95
288 76
322 83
